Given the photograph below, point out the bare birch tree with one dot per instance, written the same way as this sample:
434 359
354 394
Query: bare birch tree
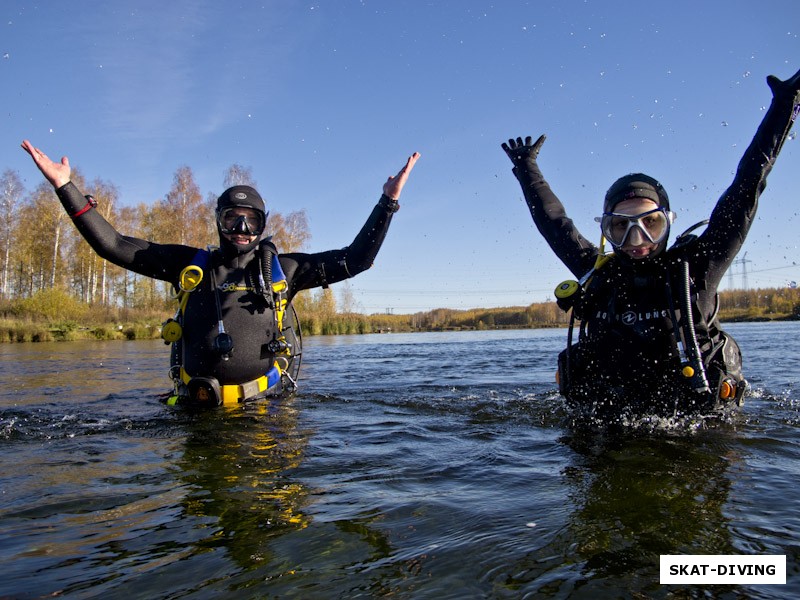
11 190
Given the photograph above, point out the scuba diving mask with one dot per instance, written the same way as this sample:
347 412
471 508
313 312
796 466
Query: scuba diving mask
241 220
653 225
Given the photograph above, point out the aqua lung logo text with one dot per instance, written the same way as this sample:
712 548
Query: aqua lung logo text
632 317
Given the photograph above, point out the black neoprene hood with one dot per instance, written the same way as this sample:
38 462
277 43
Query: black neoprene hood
635 185
241 195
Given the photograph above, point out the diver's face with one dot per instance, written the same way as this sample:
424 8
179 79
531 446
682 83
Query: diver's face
240 225
636 245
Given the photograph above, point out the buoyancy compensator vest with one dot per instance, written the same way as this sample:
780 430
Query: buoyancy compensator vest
284 343
644 346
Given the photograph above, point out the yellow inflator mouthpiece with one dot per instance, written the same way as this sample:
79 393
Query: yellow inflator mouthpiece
190 278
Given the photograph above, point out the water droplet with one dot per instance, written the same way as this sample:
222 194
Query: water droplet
746 74
6 55
792 135
724 123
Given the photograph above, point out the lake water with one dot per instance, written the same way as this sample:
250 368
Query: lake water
431 465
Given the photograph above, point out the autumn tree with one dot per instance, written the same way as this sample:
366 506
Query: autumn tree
183 211
239 175
347 300
11 190
290 233
42 226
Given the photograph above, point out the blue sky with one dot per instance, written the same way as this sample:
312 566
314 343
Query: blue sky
324 100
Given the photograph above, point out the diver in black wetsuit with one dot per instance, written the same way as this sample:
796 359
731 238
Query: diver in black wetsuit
649 338
230 340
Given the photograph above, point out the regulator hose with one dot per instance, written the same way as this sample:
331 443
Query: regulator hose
266 274
698 377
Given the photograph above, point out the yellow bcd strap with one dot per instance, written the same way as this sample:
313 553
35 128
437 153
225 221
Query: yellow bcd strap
278 287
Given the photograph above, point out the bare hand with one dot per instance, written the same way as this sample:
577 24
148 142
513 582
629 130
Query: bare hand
394 185
57 174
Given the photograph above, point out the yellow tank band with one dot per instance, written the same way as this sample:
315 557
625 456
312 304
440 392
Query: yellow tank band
233 394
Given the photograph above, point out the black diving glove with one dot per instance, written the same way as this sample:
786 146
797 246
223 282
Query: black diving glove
789 87
522 153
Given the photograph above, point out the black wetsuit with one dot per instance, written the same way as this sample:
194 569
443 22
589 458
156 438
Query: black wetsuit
627 352
246 315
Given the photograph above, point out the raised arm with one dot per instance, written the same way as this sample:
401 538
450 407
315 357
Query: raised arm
305 271
152 260
548 213
734 213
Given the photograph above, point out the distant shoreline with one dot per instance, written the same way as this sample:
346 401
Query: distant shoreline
19 331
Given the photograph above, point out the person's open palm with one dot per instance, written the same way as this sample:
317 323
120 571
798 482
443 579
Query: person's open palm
56 173
394 185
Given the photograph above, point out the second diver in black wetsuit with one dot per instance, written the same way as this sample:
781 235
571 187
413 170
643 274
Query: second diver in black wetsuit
649 340
230 345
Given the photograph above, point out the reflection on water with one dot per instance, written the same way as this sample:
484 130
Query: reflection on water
252 455
636 499
412 466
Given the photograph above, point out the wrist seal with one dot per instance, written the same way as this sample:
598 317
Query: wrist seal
389 204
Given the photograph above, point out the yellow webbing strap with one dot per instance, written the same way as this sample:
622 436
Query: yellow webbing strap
278 287
602 257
